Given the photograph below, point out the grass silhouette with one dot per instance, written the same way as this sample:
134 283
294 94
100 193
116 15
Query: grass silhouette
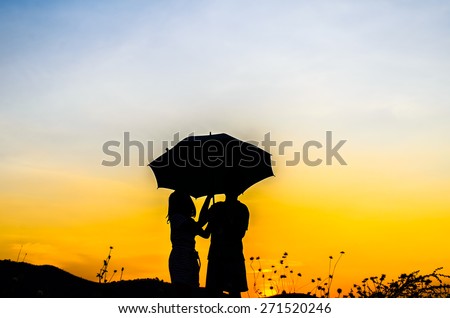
413 285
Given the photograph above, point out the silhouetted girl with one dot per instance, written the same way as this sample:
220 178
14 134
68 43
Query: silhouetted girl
184 264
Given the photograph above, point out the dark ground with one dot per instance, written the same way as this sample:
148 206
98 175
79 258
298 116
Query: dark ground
18 279
24 280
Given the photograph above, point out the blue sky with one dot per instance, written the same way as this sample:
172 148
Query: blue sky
76 74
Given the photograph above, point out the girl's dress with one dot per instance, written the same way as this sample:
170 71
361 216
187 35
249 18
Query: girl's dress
184 263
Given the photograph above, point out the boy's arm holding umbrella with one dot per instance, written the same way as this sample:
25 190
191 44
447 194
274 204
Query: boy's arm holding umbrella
204 217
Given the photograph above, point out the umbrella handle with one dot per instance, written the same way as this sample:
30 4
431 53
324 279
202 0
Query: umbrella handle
214 199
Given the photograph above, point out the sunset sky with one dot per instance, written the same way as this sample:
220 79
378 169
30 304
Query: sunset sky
76 74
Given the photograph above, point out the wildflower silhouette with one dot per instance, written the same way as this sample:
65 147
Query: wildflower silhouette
283 280
104 269
121 273
331 273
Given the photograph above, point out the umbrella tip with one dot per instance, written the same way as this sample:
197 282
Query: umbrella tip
210 133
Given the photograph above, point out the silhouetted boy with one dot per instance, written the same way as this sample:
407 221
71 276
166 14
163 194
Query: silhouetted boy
228 222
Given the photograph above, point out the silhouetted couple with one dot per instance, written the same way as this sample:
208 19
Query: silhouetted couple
227 223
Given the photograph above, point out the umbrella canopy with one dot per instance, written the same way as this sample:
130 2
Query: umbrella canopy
211 164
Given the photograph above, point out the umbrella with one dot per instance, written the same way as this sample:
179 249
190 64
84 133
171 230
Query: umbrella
211 164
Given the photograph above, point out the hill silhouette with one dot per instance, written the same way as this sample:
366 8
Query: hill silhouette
19 279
